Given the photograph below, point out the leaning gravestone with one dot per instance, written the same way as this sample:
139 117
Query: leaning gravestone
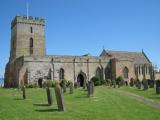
24 92
158 87
49 96
145 84
71 88
59 98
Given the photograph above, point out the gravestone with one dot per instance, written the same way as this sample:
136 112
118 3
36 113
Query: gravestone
75 85
84 85
71 88
138 84
145 84
158 87
90 88
64 87
59 98
114 83
78 84
49 96
24 92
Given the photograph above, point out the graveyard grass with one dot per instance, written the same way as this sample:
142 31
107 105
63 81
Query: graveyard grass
150 93
105 105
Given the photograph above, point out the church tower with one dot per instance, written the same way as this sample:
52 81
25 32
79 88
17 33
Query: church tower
27 37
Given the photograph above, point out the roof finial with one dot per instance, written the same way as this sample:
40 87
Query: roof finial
142 50
27 8
103 47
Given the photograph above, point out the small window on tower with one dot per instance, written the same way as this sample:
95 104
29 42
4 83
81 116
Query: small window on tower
31 46
31 29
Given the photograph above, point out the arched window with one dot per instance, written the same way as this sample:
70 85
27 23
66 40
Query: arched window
98 73
108 73
61 74
125 72
31 46
31 29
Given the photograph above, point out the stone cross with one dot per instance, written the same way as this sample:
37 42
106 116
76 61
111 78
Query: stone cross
59 98
24 92
49 96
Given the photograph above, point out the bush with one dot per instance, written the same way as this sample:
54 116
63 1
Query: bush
119 80
103 82
96 81
31 85
48 83
108 82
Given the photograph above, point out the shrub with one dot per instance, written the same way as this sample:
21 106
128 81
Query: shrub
119 80
109 82
69 82
31 85
131 82
103 82
96 81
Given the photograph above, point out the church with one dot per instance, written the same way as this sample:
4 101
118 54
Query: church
29 62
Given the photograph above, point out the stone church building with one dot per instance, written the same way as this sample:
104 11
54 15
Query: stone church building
29 62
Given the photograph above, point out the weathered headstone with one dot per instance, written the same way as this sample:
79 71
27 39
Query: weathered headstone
59 98
138 84
90 88
145 84
84 85
24 92
75 85
158 87
78 84
64 86
114 83
71 88
49 96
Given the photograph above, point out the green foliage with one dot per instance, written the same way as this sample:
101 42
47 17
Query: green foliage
119 81
96 81
108 82
103 82
48 83
31 85
132 82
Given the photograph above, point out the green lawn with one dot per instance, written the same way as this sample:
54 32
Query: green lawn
105 105
150 93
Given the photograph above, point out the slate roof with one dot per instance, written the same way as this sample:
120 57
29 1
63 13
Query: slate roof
137 57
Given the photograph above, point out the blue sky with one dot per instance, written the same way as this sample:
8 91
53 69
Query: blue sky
76 27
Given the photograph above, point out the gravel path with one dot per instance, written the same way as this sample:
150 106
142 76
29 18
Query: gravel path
142 99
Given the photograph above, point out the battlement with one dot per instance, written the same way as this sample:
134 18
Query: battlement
29 20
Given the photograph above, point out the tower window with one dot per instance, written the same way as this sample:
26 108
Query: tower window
31 29
31 46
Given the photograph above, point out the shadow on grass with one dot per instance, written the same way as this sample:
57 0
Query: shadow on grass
47 110
18 99
41 104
